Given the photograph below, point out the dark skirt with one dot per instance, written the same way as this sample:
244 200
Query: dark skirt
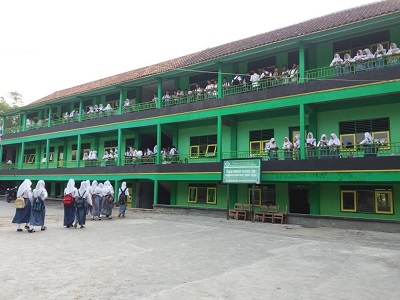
122 208
107 208
97 205
80 214
37 217
69 215
22 215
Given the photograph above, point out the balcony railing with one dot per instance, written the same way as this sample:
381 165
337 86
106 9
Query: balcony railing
264 84
353 151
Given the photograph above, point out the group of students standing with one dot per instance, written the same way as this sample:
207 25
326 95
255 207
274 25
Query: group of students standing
328 148
95 200
32 211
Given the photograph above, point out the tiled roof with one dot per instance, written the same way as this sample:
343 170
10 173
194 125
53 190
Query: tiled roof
336 19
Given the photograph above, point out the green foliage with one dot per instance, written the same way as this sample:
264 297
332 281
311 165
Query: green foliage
5 106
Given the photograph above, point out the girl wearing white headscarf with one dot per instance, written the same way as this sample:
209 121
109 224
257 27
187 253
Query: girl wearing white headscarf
359 60
392 52
69 210
368 56
287 148
368 143
347 63
80 211
122 202
334 144
108 202
379 56
38 212
296 146
310 144
323 147
97 201
22 215
272 149
337 63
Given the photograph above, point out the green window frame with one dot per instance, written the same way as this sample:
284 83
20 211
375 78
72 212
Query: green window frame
202 194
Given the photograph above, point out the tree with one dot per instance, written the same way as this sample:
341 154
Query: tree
11 121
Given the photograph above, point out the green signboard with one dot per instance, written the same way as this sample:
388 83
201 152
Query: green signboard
246 170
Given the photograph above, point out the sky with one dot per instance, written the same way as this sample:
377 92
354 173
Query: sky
47 45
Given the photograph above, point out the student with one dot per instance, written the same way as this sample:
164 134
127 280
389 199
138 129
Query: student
69 210
323 146
38 212
81 200
108 201
97 201
287 148
310 144
272 149
334 144
22 215
367 142
123 195
337 62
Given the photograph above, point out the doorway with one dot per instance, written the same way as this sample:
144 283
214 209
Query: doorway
299 199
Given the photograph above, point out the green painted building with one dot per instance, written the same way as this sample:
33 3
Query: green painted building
55 138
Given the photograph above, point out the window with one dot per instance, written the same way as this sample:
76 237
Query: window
384 202
348 142
367 199
263 194
84 148
379 129
382 139
258 139
348 201
202 194
110 146
203 146
51 155
29 156
370 41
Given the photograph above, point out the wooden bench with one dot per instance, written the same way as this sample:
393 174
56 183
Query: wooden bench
260 213
272 210
280 216
238 212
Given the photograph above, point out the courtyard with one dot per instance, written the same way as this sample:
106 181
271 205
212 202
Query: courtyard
151 255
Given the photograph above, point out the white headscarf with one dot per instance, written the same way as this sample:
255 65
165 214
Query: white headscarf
40 190
99 189
297 142
367 139
310 140
108 188
70 187
123 187
83 187
286 143
323 141
93 187
335 140
24 187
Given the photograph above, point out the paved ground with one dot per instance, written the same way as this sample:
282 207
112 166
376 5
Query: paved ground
161 256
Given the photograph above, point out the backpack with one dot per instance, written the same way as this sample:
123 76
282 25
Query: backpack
80 201
109 198
68 200
38 204
122 197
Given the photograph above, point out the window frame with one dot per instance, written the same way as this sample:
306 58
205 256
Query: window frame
354 192
196 154
189 194
343 146
208 195
390 193
383 147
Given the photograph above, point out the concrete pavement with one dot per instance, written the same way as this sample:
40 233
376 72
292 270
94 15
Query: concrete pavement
165 256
